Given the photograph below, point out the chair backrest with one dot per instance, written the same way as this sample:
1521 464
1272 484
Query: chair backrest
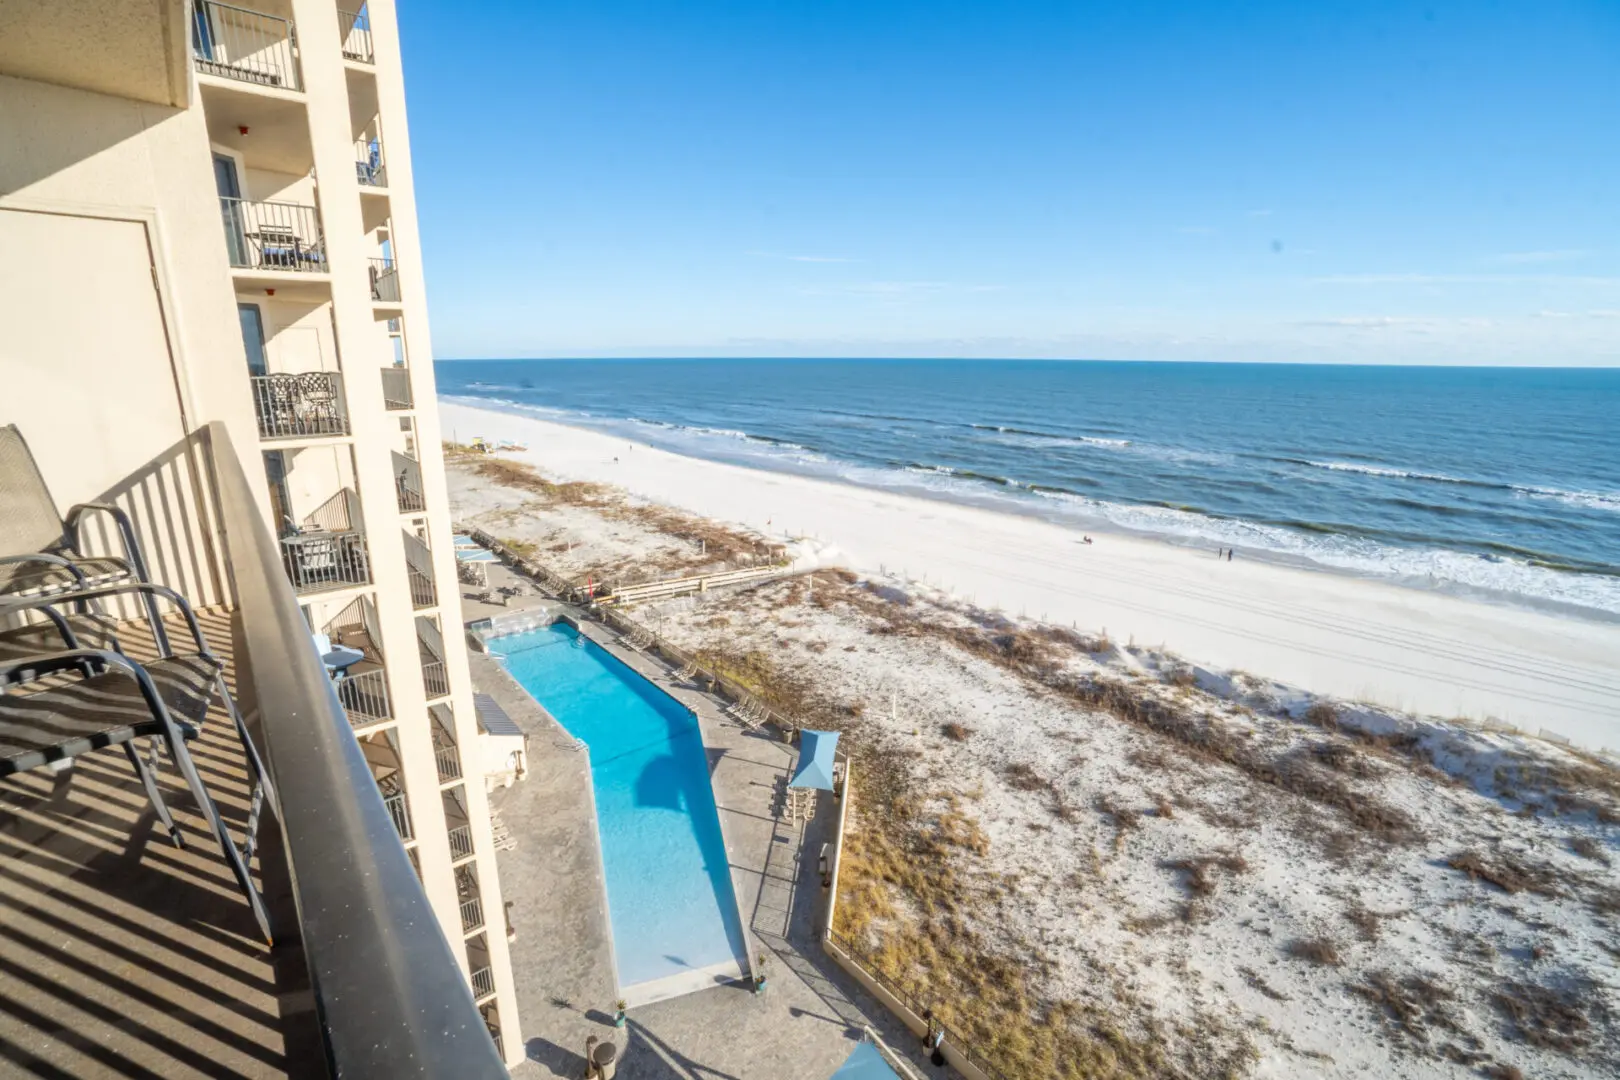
29 520
323 643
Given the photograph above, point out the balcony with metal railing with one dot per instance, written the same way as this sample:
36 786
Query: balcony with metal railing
274 236
396 382
446 753
245 45
355 30
408 485
430 645
320 561
301 406
472 915
483 983
468 896
400 813
369 168
457 823
419 571
127 956
362 685
384 281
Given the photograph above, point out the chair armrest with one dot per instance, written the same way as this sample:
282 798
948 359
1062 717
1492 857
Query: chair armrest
16 605
47 557
48 663
126 532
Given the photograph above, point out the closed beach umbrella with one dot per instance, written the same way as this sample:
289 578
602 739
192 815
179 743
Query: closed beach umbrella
815 768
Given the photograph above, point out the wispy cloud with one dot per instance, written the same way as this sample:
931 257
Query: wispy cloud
1522 258
1196 230
803 258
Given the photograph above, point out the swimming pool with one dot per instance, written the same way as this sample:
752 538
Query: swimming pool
671 904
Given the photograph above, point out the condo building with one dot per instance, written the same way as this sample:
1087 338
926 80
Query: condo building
212 316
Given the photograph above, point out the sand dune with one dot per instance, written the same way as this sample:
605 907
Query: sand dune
1328 633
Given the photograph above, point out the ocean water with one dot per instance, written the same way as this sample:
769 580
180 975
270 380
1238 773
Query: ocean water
1492 482
670 900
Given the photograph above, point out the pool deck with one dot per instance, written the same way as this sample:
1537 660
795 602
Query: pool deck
806 1022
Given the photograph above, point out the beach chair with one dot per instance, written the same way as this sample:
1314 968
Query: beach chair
115 701
43 554
504 840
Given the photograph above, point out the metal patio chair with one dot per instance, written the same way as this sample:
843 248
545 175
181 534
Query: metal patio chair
116 701
43 554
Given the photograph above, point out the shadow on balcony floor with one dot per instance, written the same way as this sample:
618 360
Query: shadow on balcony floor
120 955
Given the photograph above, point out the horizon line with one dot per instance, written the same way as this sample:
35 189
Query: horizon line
1614 366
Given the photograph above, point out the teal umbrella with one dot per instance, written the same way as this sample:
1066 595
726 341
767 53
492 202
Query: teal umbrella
866 1063
815 768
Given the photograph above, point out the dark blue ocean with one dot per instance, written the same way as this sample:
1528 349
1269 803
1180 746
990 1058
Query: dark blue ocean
1501 483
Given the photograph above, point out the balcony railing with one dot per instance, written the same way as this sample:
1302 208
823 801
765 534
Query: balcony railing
237 43
384 281
449 761
300 406
356 29
388 994
397 387
483 983
365 697
461 842
434 679
321 561
400 813
273 236
423 594
368 163
411 501
472 915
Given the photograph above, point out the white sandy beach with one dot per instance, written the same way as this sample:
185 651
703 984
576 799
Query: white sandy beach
1328 633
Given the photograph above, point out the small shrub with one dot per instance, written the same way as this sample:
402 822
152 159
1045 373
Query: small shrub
1324 714
1197 876
1317 950
1504 873
1025 778
956 732
1588 848
1542 1016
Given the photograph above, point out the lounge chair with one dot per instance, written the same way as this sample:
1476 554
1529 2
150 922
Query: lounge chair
41 553
115 701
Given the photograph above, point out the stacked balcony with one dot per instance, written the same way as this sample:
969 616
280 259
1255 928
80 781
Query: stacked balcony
245 45
446 753
354 27
270 235
302 406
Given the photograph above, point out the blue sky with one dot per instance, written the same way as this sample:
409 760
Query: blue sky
1358 181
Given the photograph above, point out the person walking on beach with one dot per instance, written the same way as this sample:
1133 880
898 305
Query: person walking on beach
1228 554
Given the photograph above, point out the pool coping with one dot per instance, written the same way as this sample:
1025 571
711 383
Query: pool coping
521 623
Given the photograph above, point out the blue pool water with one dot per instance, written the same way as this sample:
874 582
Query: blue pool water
668 881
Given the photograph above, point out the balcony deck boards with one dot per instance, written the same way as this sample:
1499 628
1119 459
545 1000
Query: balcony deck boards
120 955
